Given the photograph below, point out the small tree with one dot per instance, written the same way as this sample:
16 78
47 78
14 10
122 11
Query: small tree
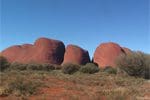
135 64
3 63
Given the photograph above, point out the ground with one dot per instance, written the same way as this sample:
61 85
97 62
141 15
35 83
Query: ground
54 85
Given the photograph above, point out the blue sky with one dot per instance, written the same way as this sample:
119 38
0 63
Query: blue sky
86 23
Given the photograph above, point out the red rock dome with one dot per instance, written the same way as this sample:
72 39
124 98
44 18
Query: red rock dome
106 54
76 55
44 50
127 50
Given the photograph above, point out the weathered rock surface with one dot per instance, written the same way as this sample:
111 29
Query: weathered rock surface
44 50
127 50
51 51
76 55
107 53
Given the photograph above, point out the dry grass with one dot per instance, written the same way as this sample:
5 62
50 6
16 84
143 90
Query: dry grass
19 83
78 86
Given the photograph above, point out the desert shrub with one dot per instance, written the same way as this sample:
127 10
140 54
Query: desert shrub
4 91
21 87
70 68
33 66
147 66
17 66
110 70
135 64
3 63
57 67
48 67
20 83
89 68
45 67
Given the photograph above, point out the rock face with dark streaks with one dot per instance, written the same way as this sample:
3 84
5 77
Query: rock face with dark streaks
44 50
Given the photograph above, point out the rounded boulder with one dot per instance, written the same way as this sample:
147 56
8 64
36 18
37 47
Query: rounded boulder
76 55
106 54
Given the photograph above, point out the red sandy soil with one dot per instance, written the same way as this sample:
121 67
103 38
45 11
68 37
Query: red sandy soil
62 90
58 89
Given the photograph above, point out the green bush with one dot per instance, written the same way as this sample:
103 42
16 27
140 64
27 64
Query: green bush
135 64
18 66
89 68
70 68
3 63
110 70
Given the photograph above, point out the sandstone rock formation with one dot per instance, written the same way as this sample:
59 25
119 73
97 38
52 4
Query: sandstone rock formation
44 50
51 51
127 50
76 55
107 53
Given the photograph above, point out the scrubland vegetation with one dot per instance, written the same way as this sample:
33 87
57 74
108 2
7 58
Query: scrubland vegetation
135 64
125 82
